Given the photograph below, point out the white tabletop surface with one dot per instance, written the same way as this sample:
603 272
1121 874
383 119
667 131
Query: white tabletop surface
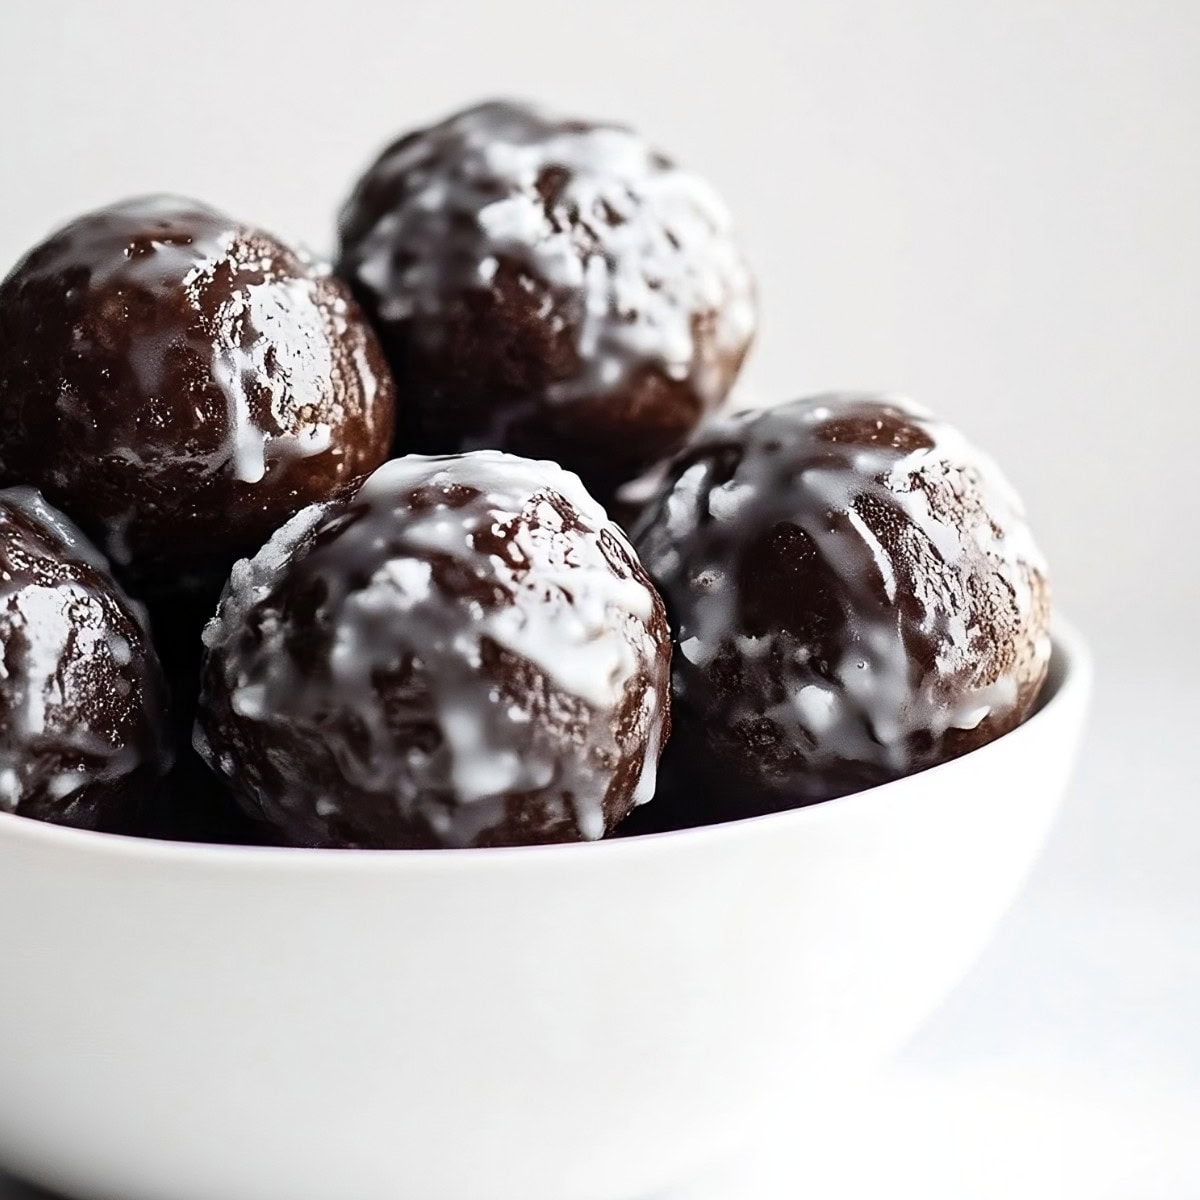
992 206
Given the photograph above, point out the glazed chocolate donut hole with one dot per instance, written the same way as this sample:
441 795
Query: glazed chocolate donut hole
463 651
556 288
855 595
83 720
180 383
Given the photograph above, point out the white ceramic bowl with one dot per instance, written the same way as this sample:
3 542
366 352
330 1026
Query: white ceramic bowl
588 1022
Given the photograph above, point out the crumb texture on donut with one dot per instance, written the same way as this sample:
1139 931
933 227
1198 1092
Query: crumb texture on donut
464 651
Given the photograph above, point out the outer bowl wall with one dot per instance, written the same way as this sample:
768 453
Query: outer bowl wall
558 1023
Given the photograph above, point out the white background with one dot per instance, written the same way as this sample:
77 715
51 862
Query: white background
993 206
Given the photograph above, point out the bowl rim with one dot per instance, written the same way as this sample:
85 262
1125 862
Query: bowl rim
1071 688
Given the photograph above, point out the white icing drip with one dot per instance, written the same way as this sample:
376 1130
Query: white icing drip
10 789
247 442
642 248
573 608
880 556
46 610
643 793
251 578
998 696
270 347
868 705
66 782
817 707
